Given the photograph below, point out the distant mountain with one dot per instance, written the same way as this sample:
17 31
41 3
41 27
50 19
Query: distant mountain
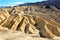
48 3
5 6
55 3
2 6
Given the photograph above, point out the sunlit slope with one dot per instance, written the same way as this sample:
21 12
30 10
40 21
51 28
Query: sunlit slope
31 20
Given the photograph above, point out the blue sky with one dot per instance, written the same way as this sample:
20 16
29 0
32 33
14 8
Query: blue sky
15 2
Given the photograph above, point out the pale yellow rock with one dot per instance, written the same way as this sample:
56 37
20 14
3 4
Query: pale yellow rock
33 30
25 22
7 21
31 20
17 21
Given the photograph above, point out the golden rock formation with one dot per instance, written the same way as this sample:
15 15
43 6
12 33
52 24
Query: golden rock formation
39 24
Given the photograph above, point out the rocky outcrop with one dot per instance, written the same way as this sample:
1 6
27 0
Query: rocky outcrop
20 22
32 25
30 21
3 14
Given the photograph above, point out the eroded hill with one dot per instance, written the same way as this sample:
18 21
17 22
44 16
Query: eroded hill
32 20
